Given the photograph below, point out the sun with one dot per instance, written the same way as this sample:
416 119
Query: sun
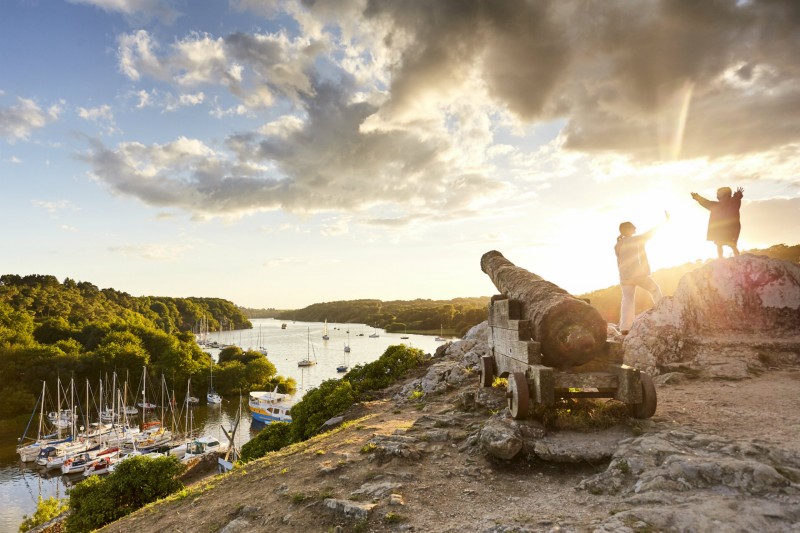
681 240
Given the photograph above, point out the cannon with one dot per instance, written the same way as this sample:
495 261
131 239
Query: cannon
549 344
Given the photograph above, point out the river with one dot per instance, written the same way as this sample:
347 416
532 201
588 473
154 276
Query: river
22 484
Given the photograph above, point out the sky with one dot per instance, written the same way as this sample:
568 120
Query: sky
280 153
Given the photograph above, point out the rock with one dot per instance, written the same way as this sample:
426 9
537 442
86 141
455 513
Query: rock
376 490
396 499
479 333
387 447
501 438
237 525
670 378
683 461
350 509
577 447
727 319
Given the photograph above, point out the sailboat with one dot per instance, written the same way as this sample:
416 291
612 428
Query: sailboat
374 334
307 361
405 334
343 365
440 338
325 331
261 348
212 397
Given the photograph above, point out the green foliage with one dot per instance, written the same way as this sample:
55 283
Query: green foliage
457 315
272 438
135 483
46 510
581 414
333 397
73 328
394 362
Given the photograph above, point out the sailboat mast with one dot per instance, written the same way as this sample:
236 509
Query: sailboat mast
41 412
86 413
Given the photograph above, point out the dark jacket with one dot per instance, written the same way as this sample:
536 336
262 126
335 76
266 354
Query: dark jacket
724 225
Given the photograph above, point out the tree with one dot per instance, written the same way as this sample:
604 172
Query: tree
135 483
46 510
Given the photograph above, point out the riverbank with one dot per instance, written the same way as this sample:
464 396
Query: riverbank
718 455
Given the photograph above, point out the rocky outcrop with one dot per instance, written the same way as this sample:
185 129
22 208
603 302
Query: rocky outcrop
728 318
687 481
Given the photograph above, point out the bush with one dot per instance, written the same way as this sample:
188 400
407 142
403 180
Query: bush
46 510
333 397
135 483
394 362
272 438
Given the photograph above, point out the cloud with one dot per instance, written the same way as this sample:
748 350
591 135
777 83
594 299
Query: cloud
102 115
327 163
19 121
402 111
276 64
655 80
137 9
53 207
771 221
153 252
184 100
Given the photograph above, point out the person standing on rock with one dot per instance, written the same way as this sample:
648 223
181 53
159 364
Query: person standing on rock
723 219
634 270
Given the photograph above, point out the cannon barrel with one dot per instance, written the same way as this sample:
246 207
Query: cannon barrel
570 331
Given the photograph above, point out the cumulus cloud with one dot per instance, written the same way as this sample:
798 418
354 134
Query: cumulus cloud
276 65
618 71
101 115
184 100
382 103
19 121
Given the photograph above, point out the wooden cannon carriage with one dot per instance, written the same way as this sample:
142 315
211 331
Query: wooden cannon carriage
549 345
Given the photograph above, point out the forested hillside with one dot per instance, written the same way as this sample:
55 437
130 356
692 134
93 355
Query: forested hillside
607 300
67 330
454 316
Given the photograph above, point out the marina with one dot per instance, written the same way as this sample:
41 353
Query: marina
21 484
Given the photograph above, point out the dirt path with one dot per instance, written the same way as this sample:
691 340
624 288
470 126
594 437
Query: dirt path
765 407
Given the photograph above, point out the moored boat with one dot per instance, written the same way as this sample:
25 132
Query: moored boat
201 447
270 406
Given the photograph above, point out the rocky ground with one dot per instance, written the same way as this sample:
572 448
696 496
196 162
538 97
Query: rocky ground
719 455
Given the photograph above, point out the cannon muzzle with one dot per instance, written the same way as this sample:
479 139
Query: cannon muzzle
570 331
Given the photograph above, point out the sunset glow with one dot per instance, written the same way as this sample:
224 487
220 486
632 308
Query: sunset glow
283 153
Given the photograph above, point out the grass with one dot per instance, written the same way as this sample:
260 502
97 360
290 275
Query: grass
369 447
298 497
416 395
500 383
392 518
581 414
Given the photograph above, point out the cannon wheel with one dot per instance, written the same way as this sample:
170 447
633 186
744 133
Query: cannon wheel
486 369
518 395
647 408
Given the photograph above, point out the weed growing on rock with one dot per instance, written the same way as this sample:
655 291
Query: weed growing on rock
581 414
